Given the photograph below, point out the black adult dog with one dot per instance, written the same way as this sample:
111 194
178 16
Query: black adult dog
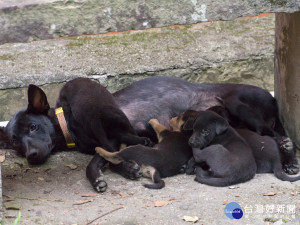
93 119
228 158
166 97
165 159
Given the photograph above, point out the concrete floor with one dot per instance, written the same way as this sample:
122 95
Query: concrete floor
52 194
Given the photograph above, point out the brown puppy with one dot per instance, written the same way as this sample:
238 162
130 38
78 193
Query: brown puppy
163 160
218 146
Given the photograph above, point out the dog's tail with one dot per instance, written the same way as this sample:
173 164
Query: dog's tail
151 172
281 175
112 157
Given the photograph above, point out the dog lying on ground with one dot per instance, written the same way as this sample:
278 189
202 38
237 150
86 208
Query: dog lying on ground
264 148
92 117
228 158
163 160
166 97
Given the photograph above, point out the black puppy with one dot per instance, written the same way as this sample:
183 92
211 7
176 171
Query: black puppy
228 158
92 117
166 97
265 150
163 160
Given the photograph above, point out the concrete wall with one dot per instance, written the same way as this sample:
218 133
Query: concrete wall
287 71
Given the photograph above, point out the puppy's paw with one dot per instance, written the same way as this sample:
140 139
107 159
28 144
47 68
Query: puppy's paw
183 168
153 122
148 142
190 170
291 168
132 170
286 145
100 184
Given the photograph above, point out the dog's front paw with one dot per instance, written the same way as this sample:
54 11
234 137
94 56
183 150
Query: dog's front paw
191 167
100 184
132 170
286 145
291 168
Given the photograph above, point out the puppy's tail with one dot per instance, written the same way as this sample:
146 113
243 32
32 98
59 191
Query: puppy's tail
112 157
151 172
281 175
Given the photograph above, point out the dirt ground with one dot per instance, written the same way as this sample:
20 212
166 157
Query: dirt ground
53 194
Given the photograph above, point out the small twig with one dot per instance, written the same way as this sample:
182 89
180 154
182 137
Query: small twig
37 199
104 215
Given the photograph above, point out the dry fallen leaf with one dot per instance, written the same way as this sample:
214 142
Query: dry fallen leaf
269 194
2 158
89 195
122 195
191 219
41 178
162 203
225 203
233 187
82 202
72 166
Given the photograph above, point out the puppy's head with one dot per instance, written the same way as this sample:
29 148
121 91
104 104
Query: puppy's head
186 118
206 125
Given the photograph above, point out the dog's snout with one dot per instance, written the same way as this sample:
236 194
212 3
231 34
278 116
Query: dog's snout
32 155
193 142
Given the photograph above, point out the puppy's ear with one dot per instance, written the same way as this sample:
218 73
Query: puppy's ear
221 126
188 125
37 100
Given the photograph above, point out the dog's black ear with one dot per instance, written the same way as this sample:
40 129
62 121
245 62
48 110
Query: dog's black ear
188 125
37 100
221 126
4 140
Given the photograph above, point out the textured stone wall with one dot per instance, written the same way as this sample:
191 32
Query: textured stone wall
238 51
27 20
287 71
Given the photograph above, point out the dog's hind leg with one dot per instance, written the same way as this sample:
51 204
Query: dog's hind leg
151 172
159 129
254 121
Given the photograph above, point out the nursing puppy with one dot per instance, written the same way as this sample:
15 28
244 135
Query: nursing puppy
227 157
267 155
163 160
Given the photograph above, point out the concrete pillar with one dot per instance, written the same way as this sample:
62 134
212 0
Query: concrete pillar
287 71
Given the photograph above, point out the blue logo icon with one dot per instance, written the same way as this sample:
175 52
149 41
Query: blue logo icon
233 210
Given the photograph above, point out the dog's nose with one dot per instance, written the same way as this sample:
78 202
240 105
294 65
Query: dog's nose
193 142
32 155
